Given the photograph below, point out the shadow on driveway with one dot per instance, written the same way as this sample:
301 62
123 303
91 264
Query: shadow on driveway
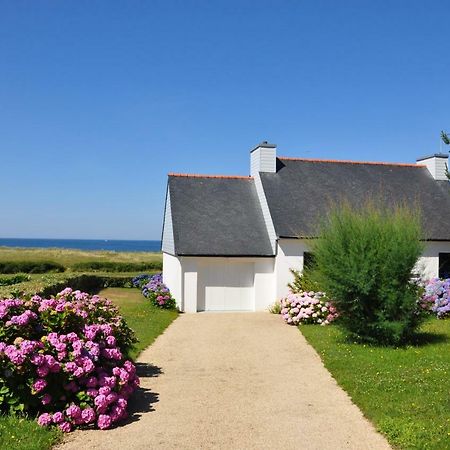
143 399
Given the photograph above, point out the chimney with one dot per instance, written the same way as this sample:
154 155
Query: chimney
263 158
436 164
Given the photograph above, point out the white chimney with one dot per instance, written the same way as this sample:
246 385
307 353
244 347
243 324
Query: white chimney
263 158
436 164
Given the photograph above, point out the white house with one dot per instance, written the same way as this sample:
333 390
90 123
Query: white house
229 242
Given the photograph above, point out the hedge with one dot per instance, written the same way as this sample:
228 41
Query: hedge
52 284
110 266
30 267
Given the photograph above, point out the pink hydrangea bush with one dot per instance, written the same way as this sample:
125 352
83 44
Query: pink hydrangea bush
307 307
64 359
436 297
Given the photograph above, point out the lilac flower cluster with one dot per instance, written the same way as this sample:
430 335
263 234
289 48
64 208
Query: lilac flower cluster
307 307
63 359
158 293
139 280
436 297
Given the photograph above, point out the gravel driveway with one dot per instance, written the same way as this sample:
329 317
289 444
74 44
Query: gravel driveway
235 381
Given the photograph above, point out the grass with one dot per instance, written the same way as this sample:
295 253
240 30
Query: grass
146 320
68 257
25 434
405 392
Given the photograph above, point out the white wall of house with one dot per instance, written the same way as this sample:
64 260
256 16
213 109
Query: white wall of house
172 276
428 264
289 256
200 283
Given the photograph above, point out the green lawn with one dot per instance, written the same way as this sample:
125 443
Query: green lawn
145 319
405 392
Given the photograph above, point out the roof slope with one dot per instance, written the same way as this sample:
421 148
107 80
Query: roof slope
302 191
217 216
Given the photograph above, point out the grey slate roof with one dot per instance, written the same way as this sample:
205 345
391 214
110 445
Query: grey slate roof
217 216
301 192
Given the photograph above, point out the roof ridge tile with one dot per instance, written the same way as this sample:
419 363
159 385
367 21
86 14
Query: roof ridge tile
347 161
226 177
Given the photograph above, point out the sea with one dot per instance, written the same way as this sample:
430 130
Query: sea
85 244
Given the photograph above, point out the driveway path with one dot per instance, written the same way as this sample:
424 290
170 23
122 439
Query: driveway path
235 381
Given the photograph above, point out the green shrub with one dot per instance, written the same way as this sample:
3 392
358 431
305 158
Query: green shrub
364 261
30 267
15 279
303 282
111 266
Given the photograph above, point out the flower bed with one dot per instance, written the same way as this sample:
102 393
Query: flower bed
64 359
307 307
436 297
155 290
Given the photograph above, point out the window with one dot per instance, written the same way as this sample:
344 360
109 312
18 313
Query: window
444 265
308 260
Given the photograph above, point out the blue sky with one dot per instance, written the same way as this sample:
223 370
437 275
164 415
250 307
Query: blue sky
99 100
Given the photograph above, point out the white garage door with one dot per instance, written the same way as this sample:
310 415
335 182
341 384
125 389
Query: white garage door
226 286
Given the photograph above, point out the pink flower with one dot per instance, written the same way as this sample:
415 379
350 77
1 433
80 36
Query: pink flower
65 427
92 382
39 385
100 401
58 417
104 421
88 415
46 399
42 371
44 420
73 411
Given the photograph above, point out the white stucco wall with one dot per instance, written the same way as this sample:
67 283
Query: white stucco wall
428 264
172 277
289 256
184 277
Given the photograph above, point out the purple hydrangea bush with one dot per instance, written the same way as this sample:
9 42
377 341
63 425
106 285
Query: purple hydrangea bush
140 280
436 297
64 359
307 307
158 293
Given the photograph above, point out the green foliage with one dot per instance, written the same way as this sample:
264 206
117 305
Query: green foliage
303 282
51 284
364 261
403 391
14 279
22 433
30 267
113 266
275 308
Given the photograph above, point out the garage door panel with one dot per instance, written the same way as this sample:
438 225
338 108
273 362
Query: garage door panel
226 286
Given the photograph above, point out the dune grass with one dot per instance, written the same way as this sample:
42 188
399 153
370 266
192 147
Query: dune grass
146 320
68 257
404 391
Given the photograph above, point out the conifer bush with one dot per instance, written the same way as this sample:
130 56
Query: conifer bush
364 260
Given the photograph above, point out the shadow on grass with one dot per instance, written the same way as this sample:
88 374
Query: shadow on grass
423 338
419 339
143 399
